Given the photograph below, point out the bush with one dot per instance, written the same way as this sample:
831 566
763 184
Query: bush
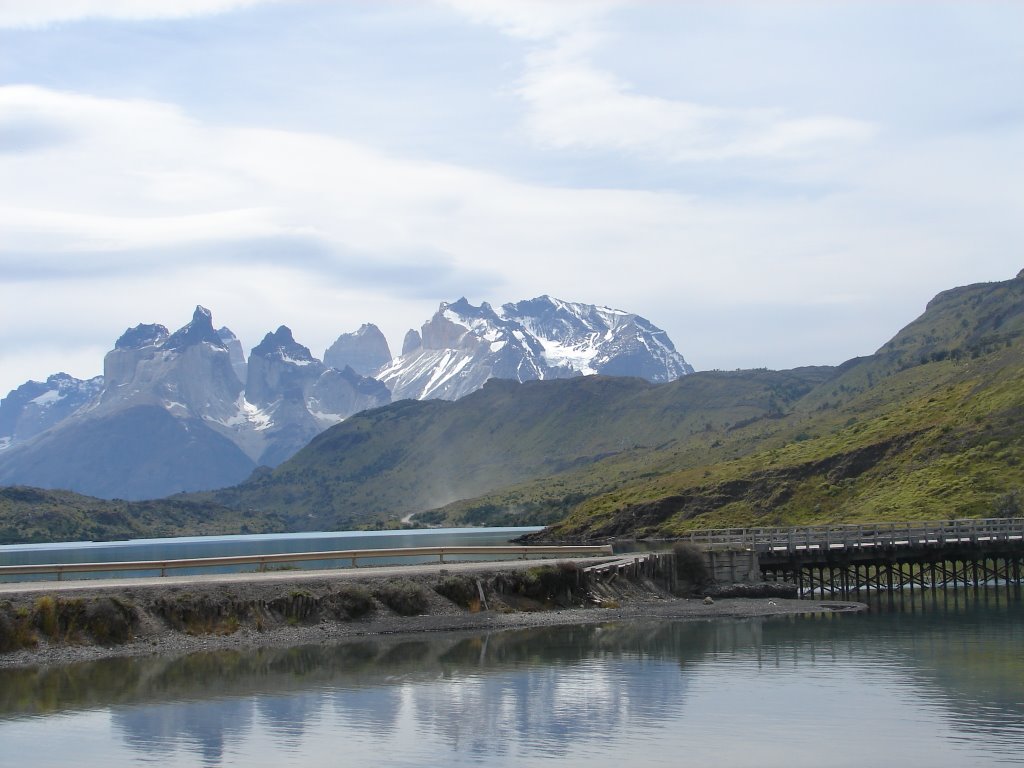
1008 505
46 619
546 583
690 563
296 607
15 629
110 621
461 590
405 598
200 615
351 601
58 619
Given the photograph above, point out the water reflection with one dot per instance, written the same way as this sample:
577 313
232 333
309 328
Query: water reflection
556 688
950 669
201 727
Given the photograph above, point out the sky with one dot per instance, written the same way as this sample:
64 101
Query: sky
774 183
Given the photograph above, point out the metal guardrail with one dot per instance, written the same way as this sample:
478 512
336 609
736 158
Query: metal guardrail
864 535
293 557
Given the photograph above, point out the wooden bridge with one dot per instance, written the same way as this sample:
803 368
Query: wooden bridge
840 559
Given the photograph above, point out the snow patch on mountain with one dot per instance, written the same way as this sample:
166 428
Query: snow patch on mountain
462 346
36 406
264 407
257 417
48 398
578 357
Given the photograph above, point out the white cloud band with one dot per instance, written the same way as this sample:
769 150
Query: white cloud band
38 13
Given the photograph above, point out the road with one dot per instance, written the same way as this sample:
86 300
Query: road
281 577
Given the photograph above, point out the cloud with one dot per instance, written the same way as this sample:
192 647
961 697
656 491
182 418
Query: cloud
323 233
141 180
573 104
38 13
143 175
26 134
534 20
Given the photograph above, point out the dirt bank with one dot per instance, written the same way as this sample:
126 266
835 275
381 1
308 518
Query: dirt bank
54 624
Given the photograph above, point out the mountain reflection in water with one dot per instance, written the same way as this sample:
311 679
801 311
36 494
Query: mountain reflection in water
935 681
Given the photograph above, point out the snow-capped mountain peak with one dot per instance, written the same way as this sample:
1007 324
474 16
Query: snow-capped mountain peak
593 339
463 345
35 406
177 402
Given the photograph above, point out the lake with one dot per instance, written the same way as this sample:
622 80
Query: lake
936 680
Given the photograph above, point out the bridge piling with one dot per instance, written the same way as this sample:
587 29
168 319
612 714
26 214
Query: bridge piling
887 557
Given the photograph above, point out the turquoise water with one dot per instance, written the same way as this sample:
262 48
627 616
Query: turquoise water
256 544
938 681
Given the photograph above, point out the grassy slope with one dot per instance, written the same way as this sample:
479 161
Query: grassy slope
929 427
415 456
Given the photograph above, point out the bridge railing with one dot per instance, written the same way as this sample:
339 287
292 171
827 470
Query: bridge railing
856 535
262 561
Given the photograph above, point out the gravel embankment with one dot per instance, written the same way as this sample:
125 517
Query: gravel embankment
246 610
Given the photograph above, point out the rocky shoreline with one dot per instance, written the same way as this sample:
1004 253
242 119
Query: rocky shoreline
83 622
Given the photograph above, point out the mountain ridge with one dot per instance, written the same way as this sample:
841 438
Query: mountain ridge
463 345
272 404
177 399
929 426
918 428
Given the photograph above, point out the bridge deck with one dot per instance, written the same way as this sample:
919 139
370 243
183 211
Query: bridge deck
871 536
840 559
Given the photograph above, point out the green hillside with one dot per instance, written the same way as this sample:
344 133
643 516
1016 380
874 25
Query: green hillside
968 321
930 426
34 515
927 427
420 455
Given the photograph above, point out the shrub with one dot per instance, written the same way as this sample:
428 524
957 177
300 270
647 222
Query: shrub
690 563
15 629
296 607
1008 504
70 619
461 590
405 598
110 621
546 583
46 619
200 615
351 601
